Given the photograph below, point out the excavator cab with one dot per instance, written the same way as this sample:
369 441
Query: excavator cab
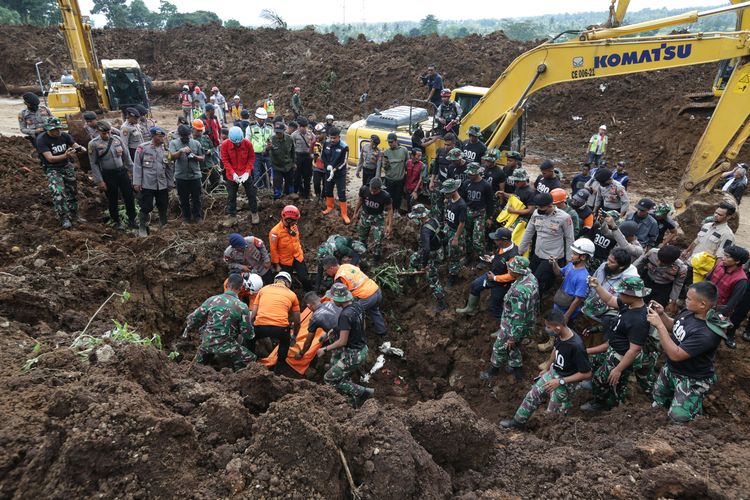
126 84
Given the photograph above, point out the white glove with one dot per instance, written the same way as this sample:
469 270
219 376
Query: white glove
244 177
185 333
236 178
330 173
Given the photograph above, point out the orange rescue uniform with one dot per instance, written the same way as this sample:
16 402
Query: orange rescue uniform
275 303
284 247
356 281
243 294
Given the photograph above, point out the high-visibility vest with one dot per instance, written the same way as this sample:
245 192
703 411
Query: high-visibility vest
594 143
356 281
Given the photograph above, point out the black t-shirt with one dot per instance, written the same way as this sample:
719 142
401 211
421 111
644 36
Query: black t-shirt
603 245
525 194
693 336
352 319
630 327
664 226
544 185
440 165
570 356
495 176
55 145
499 264
457 172
374 204
473 152
478 195
455 213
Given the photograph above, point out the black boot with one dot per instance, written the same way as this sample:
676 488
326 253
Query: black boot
143 226
731 341
491 372
512 423
452 280
440 305
162 218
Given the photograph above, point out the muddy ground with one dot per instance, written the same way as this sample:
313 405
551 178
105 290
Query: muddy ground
131 422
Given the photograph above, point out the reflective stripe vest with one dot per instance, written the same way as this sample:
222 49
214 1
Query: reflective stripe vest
596 142
356 281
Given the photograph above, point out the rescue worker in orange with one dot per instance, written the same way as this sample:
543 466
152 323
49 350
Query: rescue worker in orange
364 289
286 248
276 314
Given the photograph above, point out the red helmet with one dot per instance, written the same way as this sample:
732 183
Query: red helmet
445 93
290 212
558 195
296 89
197 88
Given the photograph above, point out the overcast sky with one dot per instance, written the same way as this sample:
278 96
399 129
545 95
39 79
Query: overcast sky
303 12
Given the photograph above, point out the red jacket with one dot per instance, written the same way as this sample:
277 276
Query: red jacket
213 128
237 159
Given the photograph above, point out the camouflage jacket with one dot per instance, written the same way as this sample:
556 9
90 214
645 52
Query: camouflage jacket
337 245
29 121
520 307
208 160
225 318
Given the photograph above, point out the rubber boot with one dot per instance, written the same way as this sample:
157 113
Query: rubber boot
512 423
471 306
162 218
343 208
440 305
143 226
329 205
254 218
731 341
490 373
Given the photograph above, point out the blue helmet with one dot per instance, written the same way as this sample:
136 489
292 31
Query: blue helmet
236 135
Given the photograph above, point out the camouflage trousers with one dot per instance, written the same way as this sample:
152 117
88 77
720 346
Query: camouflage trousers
604 393
62 185
644 368
437 204
475 223
682 395
559 400
433 280
344 362
233 352
372 224
502 354
454 255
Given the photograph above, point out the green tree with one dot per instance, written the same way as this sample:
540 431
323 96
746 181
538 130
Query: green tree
34 12
198 17
8 16
166 11
117 12
232 23
429 25
141 16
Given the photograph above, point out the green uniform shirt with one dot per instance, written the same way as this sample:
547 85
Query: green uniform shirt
395 167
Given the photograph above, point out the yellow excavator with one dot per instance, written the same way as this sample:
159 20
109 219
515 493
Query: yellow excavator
612 50
112 85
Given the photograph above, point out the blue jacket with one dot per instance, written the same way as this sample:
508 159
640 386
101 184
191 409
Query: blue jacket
335 155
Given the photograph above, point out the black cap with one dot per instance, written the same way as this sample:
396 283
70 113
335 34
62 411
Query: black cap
602 175
375 139
645 204
302 121
546 165
628 228
501 233
132 112
543 199
392 137
279 127
141 109
183 131
89 115
244 114
103 126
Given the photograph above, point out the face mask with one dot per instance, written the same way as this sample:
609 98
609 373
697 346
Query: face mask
550 332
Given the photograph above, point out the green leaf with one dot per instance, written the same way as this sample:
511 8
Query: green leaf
125 296
37 348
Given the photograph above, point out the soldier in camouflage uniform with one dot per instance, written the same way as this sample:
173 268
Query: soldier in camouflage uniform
561 376
31 121
689 341
520 307
439 174
210 168
56 149
430 252
226 317
350 348
339 247
454 229
479 198
374 213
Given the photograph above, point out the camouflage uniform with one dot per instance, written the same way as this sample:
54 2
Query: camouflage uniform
559 400
519 314
210 168
644 365
603 364
475 224
682 395
62 184
429 258
345 362
372 223
226 317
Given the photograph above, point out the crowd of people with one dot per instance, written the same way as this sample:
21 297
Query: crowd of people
618 293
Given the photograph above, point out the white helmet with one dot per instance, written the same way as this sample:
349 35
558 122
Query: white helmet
320 127
185 87
603 127
261 113
583 246
252 283
329 117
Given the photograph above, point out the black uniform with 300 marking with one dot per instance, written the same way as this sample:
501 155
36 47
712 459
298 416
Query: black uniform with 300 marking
473 151
694 337
455 213
374 204
570 356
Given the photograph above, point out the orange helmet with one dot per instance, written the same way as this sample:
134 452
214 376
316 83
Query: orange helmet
198 124
558 195
290 212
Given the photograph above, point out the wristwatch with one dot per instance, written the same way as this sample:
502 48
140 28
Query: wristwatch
562 381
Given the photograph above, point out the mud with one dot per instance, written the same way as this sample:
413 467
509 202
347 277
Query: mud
127 421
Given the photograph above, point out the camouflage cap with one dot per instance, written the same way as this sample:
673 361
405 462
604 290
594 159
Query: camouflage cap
418 211
519 265
490 155
515 155
324 250
450 185
339 293
662 209
53 123
454 154
632 285
359 247
474 168
520 175
614 214
475 130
